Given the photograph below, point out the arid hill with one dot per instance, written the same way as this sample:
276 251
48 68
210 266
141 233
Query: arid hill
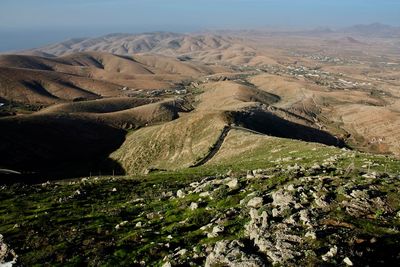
175 98
207 48
90 75
161 149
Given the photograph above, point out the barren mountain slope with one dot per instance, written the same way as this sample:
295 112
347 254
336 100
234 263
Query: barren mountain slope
207 48
89 75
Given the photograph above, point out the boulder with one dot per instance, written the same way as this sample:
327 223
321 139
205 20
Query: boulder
233 183
194 206
255 202
180 193
234 254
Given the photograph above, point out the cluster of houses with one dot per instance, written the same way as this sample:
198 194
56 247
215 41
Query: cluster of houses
155 92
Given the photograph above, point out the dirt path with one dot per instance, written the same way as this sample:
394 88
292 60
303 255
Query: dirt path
246 130
218 144
215 147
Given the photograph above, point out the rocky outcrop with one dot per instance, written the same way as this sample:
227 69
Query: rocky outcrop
232 254
7 256
308 220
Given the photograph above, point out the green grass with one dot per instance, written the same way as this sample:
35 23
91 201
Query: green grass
55 225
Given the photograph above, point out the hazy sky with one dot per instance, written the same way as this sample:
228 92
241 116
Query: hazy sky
30 23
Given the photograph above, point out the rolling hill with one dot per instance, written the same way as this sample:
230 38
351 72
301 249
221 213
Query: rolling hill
165 149
89 75
208 48
162 89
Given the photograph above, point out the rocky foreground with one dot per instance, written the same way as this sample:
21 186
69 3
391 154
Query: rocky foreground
288 215
315 219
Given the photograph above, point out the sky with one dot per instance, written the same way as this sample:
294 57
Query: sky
32 23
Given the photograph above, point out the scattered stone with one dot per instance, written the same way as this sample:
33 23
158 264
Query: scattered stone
138 200
347 261
7 256
204 194
232 253
304 217
281 198
275 212
316 167
204 227
249 175
120 224
361 194
330 254
180 193
311 235
167 194
195 184
194 206
281 201
372 175
233 183
290 187
255 202
216 231
181 252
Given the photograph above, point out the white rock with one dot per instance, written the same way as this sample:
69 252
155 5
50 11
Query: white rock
180 193
290 187
330 254
255 202
316 167
311 235
6 253
167 264
275 212
249 175
233 183
194 184
204 194
114 189
347 261
138 224
204 227
181 252
282 199
218 229
215 231
194 206
120 224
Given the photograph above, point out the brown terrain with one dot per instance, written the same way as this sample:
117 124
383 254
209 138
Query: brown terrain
129 103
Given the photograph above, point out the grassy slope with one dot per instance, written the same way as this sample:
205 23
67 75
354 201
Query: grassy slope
244 150
172 145
72 223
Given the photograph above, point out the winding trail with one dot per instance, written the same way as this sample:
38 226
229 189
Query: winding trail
216 147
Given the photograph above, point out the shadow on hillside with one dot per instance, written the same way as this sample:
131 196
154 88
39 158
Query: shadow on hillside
49 147
270 124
